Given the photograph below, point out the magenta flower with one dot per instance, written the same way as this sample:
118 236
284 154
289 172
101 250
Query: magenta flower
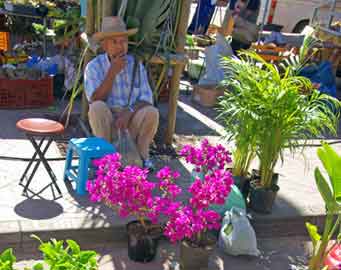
128 190
206 157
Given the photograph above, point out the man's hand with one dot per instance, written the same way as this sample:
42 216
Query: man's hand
122 119
118 63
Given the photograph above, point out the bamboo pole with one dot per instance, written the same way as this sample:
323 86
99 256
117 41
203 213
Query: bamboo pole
108 6
90 29
175 82
99 14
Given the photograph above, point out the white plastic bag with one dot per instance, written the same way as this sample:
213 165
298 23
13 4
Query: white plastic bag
237 236
214 73
127 148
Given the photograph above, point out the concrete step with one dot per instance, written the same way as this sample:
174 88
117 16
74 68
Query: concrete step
14 233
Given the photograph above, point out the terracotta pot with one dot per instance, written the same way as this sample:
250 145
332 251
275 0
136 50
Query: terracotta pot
194 258
206 95
142 244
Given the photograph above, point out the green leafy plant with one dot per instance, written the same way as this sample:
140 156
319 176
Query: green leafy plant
269 107
190 41
59 256
7 259
65 25
331 193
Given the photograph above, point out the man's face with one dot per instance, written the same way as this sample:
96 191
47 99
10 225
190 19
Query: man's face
115 46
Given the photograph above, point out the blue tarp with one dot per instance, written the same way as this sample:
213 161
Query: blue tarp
322 74
202 17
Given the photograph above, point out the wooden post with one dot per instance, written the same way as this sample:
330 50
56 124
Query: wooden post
108 7
90 29
99 14
175 82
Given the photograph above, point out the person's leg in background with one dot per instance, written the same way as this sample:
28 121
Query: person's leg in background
143 127
101 120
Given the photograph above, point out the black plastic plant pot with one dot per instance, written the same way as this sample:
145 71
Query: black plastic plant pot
262 199
142 244
256 176
242 184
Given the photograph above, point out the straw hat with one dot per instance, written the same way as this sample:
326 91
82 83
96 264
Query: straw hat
111 27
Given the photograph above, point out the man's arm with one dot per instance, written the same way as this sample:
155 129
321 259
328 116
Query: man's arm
144 99
102 92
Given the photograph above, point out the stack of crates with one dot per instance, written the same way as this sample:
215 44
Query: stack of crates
4 41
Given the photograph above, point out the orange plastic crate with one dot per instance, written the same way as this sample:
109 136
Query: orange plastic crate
4 41
20 94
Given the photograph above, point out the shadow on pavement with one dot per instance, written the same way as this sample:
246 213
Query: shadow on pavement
38 209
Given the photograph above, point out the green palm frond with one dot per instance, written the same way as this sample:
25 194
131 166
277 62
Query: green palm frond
296 62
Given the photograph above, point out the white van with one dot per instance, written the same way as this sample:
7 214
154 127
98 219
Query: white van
293 15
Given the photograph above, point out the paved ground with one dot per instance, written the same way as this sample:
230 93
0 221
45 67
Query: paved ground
279 254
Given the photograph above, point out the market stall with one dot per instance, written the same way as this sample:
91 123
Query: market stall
33 55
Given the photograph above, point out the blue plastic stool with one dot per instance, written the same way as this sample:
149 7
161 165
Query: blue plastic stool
87 149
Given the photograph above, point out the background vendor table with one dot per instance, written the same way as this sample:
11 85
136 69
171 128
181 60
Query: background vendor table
6 12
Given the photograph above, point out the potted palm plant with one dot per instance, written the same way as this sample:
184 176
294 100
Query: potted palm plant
282 115
235 110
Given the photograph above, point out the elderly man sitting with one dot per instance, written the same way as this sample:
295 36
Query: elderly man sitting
118 90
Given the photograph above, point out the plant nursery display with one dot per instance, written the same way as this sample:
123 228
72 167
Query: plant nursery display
267 113
129 192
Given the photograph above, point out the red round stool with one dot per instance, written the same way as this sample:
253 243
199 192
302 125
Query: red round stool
46 130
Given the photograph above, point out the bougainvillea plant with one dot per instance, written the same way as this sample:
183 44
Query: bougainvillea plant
206 157
129 192
193 218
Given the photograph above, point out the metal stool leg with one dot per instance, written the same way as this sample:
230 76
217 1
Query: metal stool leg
46 164
68 162
35 145
30 163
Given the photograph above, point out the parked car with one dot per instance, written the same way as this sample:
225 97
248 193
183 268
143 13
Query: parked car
294 15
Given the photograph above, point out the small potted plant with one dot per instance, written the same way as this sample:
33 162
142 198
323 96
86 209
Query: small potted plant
280 115
191 221
128 191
